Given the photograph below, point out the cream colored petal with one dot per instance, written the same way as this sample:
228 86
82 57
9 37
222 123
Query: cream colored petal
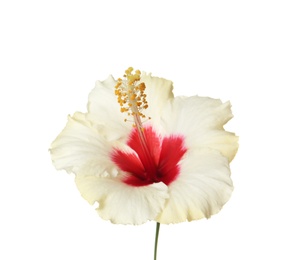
159 92
80 148
202 188
104 109
220 140
201 121
121 203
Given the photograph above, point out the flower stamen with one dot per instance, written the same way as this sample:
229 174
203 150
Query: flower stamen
130 95
132 99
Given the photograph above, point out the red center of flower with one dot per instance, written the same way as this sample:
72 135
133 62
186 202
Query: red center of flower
154 159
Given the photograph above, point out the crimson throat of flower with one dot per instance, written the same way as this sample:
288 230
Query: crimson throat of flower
152 158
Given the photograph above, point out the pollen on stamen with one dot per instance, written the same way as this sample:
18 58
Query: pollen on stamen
130 94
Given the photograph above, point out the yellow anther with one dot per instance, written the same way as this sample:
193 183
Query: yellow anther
130 94
142 86
133 96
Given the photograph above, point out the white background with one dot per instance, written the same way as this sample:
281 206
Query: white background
252 53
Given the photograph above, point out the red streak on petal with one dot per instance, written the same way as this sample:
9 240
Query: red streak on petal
129 162
165 153
153 143
171 153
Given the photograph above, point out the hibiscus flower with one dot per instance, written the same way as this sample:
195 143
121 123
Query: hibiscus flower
141 154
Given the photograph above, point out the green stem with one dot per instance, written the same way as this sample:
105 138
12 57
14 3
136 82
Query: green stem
156 239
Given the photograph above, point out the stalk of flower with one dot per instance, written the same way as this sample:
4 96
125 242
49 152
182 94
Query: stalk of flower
153 157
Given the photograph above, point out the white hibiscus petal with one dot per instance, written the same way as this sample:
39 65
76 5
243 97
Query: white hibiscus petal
159 92
202 188
80 148
207 113
224 142
104 109
121 203
201 120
